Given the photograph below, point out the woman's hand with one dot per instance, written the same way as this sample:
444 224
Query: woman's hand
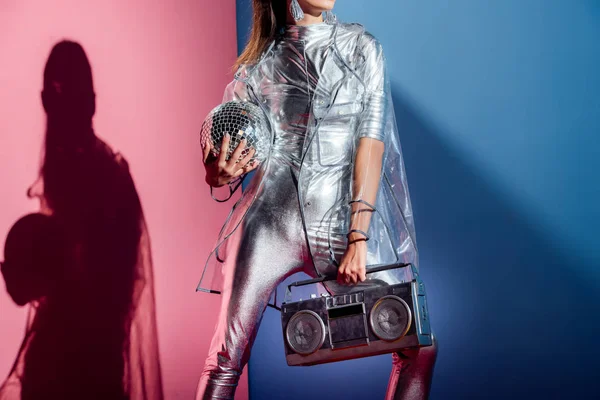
353 265
219 170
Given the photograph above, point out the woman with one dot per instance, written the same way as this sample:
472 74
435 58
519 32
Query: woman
92 328
331 195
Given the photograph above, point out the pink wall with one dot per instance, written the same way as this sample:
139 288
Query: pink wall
158 69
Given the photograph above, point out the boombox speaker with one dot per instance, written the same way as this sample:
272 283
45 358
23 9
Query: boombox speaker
362 323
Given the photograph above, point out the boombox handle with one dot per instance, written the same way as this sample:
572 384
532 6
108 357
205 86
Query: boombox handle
327 278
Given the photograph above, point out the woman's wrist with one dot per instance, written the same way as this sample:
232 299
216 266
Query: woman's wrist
357 235
357 239
359 244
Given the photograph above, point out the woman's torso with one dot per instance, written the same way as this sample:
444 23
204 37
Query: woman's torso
297 66
298 61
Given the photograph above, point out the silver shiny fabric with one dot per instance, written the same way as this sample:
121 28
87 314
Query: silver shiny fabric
324 90
273 242
351 100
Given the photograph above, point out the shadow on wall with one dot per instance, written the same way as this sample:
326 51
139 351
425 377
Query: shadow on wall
513 318
83 263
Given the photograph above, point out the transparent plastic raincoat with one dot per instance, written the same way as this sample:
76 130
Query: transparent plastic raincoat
351 112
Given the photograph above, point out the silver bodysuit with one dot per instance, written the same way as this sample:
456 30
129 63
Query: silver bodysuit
273 244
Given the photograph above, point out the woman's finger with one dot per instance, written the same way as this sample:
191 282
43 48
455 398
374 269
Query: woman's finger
244 161
353 278
237 153
248 168
224 149
347 275
252 166
363 275
205 151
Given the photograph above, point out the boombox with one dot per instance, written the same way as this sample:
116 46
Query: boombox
361 323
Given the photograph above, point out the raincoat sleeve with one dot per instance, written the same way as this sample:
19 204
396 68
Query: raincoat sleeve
236 89
371 140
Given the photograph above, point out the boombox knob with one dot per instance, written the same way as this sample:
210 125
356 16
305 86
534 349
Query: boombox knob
305 332
390 318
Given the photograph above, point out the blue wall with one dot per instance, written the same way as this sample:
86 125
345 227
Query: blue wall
498 105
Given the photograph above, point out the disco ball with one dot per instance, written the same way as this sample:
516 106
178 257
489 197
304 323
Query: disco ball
242 120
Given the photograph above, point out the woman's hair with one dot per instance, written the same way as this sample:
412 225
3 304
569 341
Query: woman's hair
267 17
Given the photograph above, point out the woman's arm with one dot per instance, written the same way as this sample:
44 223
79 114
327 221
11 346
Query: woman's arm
219 171
367 163
367 174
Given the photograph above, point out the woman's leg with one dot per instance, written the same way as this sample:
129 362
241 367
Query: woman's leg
412 373
264 259
412 370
